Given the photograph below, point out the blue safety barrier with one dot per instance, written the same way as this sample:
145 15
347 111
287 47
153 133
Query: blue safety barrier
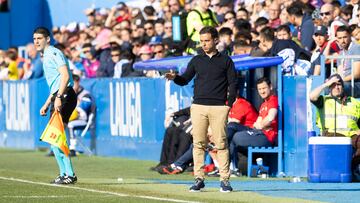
173 63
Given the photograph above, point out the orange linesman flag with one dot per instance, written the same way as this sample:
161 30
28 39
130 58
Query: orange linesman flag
54 133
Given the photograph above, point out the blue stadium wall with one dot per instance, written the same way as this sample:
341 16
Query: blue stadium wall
129 117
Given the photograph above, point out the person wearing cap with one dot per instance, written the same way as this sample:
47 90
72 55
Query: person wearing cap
347 66
146 53
320 38
80 115
338 114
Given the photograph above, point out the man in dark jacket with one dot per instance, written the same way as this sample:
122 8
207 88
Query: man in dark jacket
304 25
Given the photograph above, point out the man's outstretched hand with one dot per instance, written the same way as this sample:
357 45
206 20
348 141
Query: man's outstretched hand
170 76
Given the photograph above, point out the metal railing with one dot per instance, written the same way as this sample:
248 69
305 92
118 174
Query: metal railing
342 57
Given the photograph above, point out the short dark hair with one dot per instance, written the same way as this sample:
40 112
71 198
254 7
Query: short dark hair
86 45
261 21
210 30
115 48
284 27
243 9
347 9
160 20
342 28
225 31
241 43
295 10
336 3
12 55
242 24
263 79
42 30
149 10
353 27
267 33
243 35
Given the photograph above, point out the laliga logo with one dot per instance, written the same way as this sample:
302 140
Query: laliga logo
125 109
17 106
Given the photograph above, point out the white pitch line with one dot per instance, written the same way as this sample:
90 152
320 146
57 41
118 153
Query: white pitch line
97 191
35 196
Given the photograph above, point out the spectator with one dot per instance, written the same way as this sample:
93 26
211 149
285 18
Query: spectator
347 116
91 64
355 33
80 115
149 30
320 38
159 51
243 14
345 66
124 68
34 65
225 45
215 7
258 10
150 13
90 14
159 27
283 32
241 47
340 20
304 25
297 60
116 57
10 59
260 23
229 20
174 6
274 13
327 16
198 18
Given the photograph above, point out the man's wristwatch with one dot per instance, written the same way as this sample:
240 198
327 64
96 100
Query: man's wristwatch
59 96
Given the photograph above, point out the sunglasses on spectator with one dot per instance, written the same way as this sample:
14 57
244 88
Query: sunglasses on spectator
72 48
114 55
148 28
86 51
168 27
325 13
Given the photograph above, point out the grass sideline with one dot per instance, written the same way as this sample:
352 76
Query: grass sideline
102 174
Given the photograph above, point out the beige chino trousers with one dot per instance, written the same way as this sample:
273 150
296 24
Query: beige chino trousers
203 116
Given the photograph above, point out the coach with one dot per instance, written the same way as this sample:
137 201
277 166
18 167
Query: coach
214 84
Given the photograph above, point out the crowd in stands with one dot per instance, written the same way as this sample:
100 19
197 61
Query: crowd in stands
112 39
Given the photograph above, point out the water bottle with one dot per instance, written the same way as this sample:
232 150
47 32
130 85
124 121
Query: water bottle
259 162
